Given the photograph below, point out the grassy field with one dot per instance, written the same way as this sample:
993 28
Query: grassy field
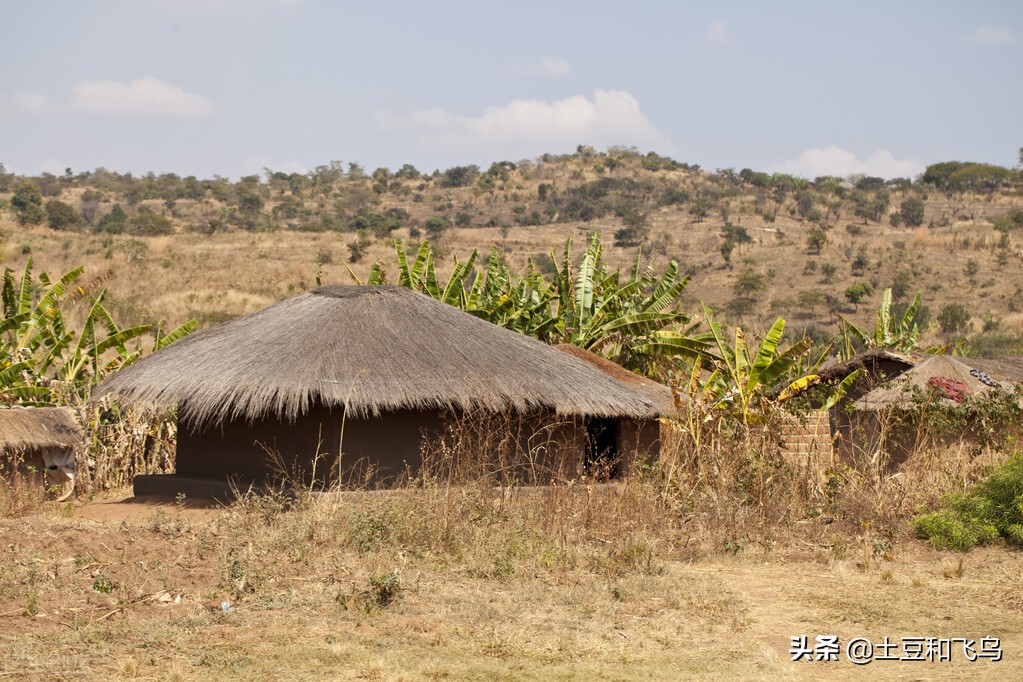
358 588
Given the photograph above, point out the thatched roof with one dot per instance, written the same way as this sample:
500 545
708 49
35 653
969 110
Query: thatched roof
29 428
372 349
899 392
1007 368
659 394
833 371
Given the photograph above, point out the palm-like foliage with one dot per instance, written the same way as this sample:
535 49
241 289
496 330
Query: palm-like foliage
899 333
42 359
741 379
634 321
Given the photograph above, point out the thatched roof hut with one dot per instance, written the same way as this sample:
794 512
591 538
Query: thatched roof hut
659 394
345 379
941 369
370 350
36 428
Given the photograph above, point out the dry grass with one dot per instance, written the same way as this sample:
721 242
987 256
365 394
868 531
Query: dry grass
172 278
589 583
703 566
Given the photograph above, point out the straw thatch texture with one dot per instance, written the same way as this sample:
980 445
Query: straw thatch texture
867 360
1007 368
29 428
659 394
373 350
899 392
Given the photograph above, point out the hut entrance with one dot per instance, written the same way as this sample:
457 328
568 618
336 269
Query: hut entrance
602 456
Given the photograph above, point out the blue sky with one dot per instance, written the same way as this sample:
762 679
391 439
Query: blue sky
228 87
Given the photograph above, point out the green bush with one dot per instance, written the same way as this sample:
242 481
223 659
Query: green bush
991 509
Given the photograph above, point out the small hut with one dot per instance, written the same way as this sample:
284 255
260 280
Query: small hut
342 380
612 443
40 440
874 413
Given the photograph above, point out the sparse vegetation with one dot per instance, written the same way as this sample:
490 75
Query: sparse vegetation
991 509
725 489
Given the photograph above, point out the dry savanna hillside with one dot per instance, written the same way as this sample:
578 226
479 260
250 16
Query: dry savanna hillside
756 245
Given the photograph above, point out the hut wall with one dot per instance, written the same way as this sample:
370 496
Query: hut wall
639 441
536 449
856 434
379 447
805 441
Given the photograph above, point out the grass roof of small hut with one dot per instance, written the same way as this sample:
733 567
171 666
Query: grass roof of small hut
658 393
372 349
899 392
30 428
836 371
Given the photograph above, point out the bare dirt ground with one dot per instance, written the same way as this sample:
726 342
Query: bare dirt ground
133 590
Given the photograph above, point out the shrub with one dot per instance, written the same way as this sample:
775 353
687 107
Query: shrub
953 318
912 212
993 508
61 216
436 226
1011 220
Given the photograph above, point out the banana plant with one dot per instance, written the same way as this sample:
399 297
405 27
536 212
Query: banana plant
899 333
42 359
742 378
635 322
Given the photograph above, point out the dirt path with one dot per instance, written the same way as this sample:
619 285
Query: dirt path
132 589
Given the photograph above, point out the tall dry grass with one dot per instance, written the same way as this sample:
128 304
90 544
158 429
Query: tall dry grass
715 489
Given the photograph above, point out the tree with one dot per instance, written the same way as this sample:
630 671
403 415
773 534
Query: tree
150 224
61 216
750 284
727 246
953 318
812 299
741 382
912 212
436 226
857 292
816 239
408 172
861 261
634 229
736 234
459 176
894 328
28 204
114 222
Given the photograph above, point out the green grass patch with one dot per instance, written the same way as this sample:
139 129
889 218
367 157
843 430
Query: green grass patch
991 509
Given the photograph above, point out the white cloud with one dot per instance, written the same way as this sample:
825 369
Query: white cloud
719 35
841 162
995 35
143 97
523 127
33 102
548 67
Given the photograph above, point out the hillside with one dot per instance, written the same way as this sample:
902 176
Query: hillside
757 245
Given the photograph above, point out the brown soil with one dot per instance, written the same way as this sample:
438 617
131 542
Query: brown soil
121 588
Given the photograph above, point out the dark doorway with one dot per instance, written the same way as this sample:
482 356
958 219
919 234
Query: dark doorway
602 457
